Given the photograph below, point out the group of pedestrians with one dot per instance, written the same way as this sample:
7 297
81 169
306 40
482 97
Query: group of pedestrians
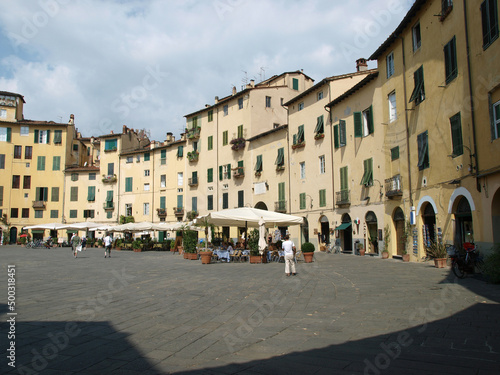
80 243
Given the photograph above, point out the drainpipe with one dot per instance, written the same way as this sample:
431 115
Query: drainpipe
472 111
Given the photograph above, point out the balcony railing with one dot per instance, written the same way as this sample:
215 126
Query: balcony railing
109 179
193 156
343 197
162 212
239 172
38 204
394 186
108 205
193 181
194 133
179 211
280 206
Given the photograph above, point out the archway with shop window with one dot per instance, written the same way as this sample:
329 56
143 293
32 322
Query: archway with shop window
324 235
261 206
372 231
464 230
344 231
495 217
398 219
429 225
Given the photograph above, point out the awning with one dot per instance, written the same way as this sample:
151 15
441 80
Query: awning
71 231
343 226
37 231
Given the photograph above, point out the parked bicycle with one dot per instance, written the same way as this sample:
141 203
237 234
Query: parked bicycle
333 248
468 260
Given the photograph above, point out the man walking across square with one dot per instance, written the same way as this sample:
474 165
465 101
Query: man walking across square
289 250
107 245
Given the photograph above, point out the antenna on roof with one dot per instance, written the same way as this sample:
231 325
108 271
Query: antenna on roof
244 80
262 74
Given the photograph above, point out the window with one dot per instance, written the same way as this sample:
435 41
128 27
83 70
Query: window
128 184
417 40
211 115
54 214
301 106
295 84
391 98
27 182
28 152
56 163
302 200
1 197
418 93
42 194
25 213
280 159
240 131
18 150
241 198
14 213
74 176
74 194
38 214
319 95
363 123
210 175
109 199
489 18
225 172
146 173
130 159
268 102
322 165
3 113
91 193
339 134
75 147
225 200
163 157
88 214
110 144
210 202
423 151
496 120
16 181
128 209
2 161
395 153
224 138
281 197
299 137
147 187
73 214
147 156
194 204
446 7
320 126
322 198
450 60
226 110
163 180
258 164
109 214
111 169
40 163
240 103
367 179
389 61
145 209
210 143
456 135
55 194
344 183
5 134
302 170
163 202
180 179
92 176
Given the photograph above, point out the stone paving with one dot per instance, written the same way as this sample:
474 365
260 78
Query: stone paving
157 313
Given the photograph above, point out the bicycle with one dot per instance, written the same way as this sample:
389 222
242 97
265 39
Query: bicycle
333 249
466 261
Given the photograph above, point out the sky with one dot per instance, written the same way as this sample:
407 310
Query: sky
147 64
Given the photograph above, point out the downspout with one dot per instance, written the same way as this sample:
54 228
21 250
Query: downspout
153 187
288 169
217 192
473 113
331 146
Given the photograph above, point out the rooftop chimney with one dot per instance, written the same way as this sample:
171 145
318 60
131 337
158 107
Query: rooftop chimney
124 129
169 137
234 90
361 65
71 119
216 99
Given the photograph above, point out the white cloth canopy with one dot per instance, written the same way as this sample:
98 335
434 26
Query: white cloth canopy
51 226
246 216
86 225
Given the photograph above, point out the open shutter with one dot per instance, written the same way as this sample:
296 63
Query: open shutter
48 136
37 136
456 135
370 121
221 170
336 136
9 134
91 193
358 125
319 125
258 164
229 171
300 135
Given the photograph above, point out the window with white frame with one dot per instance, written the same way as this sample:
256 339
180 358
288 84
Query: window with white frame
322 165
145 209
146 187
496 120
392 106
130 159
416 37
268 102
146 173
320 95
163 180
3 113
180 179
25 131
43 136
301 106
302 170
390 64
128 209
3 134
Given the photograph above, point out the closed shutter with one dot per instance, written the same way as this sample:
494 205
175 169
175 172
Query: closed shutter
302 201
74 194
456 135
229 171
281 191
358 125
9 134
179 201
55 194
342 135
322 198
221 173
163 202
241 200
210 175
336 136
370 120
344 184
91 193
37 135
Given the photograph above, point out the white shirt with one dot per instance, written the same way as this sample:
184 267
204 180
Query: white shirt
107 241
287 247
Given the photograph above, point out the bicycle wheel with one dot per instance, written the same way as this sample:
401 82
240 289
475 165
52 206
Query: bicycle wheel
458 268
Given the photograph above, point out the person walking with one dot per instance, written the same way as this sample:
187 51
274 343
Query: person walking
75 243
84 243
289 250
107 245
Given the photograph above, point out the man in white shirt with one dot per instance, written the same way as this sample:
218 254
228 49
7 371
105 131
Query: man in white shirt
107 245
289 250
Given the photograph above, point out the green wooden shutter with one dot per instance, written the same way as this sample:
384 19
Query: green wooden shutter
342 133
9 134
281 191
358 125
55 194
36 136
258 164
456 135
241 198
180 151
220 173
302 201
179 201
294 139
395 153
370 120
240 167
128 184
37 194
210 175
163 202
48 136
91 193
322 198
295 83
319 125
300 134
74 194
240 131
147 156
40 163
344 184
210 142
336 136
229 171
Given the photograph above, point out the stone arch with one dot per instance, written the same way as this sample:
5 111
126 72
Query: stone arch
461 191
429 200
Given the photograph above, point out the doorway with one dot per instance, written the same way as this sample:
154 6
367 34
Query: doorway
346 234
429 230
372 231
399 224
325 231
13 235
463 223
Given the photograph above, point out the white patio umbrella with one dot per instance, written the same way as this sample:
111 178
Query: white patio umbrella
51 226
86 225
247 216
262 235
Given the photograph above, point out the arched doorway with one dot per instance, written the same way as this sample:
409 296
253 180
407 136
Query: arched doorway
346 234
324 236
463 223
495 217
398 219
13 235
304 231
261 206
371 228
429 229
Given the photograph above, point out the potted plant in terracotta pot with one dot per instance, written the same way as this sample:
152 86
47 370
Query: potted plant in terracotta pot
137 246
360 248
189 240
253 245
437 251
206 253
307 249
387 239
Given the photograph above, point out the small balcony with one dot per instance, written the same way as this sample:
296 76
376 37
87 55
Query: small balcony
343 197
179 211
161 212
280 206
394 187
39 205
239 172
237 144
298 145
194 133
108 179
193 181
108 206
193 156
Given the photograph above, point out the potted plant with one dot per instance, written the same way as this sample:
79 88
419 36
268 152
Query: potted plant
387 239
360 248
118 244
253 245
99 243
437 251
189 240
308 251
206 254
404 237
137 246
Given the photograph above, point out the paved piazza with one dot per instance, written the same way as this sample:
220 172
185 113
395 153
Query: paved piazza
157 313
